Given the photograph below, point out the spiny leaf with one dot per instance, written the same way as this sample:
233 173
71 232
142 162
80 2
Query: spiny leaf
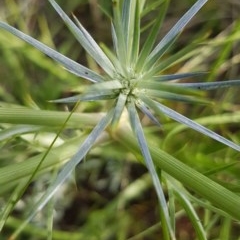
147 112
177 76
69 64
159 108
147 47
211 85
71 164
86 41
170 37
120 104
138 132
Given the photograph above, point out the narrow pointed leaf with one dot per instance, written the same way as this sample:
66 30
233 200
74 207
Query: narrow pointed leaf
175 97
71 164
148 45
138 132
136 35
113 58
86 41
118 33
218 195
177 76
128 15
174 32
88 96
189 209
168 87
121 101
69 64
159 108
147 112
211 85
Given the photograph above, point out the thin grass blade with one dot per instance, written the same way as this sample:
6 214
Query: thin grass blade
86 40
69 64
189 209
218 195
159 108
17 131
71 164
138 132
9 206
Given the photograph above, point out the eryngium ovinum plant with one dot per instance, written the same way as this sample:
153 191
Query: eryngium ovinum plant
132 76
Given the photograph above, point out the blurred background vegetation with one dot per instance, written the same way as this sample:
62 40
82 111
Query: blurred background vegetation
87 209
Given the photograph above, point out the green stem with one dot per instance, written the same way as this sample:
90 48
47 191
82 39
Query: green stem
20 115
202 185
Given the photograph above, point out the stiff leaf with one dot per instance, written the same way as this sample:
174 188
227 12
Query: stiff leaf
69 64
159 108
147 112
148 45
182 198
121 101
86 41
175 97
169 38
177 76
210 85
138 132
71 164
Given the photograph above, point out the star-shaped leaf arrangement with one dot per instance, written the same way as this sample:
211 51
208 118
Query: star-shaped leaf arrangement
133 79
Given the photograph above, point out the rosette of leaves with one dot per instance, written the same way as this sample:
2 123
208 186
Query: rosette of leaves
132 77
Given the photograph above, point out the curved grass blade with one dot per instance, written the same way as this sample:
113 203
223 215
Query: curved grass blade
159 108
86 41
12 201
25 182
211 85
17 131
138 132
165 43
71 164
69 64
182 198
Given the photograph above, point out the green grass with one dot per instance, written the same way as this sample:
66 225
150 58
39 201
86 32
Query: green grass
143 175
